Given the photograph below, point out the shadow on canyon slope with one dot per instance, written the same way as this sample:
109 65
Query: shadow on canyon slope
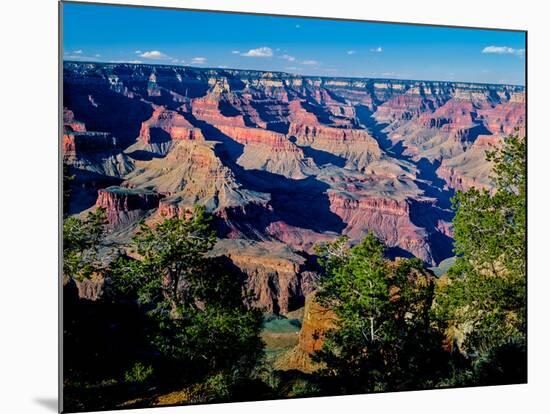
396 251
274 120
422 214
302 203
431 183
320 157
84 187
104 110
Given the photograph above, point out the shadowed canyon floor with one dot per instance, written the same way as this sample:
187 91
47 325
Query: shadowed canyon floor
283 161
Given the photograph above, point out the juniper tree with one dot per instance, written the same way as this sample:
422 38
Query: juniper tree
484 297
383 339
196 304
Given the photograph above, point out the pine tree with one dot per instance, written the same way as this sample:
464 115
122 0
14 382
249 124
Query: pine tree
484 297
195 303
383 338
82 239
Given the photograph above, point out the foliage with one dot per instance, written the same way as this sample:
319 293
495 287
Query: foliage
195 303
484 297
301 387
384 339
138 373
81 241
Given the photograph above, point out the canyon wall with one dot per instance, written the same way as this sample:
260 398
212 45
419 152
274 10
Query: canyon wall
282 161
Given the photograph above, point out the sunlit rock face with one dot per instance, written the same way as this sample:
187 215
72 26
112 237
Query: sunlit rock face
284 162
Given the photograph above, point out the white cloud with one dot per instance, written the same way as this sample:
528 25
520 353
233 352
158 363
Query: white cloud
351 52
236 52
288 57
138 52
309 62
154 54
78 52
259 52
377 49
97 55
503 50
126 61
79 56
198 60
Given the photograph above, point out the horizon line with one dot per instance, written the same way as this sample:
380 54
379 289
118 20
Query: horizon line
290 73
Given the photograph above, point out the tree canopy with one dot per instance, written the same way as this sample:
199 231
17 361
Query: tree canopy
484 296
383 338
196 303
81 241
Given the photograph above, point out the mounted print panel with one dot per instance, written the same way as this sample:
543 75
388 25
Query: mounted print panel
260 207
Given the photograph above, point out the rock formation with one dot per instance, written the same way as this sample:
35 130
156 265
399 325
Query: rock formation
276 276
283 161
125 206
316 322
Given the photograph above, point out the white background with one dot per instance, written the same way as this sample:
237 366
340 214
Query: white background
28 203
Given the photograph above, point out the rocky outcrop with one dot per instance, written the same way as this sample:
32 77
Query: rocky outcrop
296 237
167 125
124 205
317 321
191 174
277 277
87 143
207 109
389 220
96 155
403 107
356 147
471 168
315 324
270 151
92 287
443 133
78 141
505 118
70 124
96 152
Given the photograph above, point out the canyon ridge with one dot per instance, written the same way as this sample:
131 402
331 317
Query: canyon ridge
283 162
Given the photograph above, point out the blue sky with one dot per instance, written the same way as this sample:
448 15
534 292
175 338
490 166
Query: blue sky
296 45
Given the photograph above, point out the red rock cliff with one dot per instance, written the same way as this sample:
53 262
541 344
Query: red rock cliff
124 205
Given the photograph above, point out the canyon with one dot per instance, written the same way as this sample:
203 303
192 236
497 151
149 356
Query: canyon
283 162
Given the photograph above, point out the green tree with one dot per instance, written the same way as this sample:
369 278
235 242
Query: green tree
196 303
82 239
484 298
383 339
